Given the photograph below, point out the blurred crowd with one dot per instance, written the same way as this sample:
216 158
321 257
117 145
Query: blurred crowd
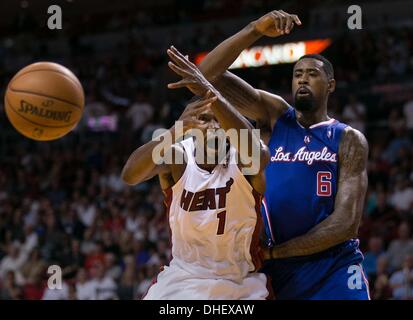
63 203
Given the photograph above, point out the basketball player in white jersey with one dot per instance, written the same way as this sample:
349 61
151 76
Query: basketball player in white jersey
213 209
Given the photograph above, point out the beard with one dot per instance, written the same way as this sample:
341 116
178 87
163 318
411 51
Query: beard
305 103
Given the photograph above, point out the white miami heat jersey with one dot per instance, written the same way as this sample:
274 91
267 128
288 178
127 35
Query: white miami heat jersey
215 222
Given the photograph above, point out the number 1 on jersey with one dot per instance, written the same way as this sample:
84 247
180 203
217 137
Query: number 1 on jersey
324 183
221 223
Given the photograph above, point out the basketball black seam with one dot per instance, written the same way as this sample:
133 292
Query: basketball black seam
38 124
51 70
45 96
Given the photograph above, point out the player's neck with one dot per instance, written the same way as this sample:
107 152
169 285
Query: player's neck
210 166
207 167
309 118
204 166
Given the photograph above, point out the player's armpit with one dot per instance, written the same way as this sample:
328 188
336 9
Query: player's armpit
145 162
176 160
343 223
140 167
257 181
252 103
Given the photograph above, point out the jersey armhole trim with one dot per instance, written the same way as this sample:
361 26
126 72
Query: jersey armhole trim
289 109
183 173
239 172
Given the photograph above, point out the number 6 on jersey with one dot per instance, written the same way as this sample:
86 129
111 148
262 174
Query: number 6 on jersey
324 183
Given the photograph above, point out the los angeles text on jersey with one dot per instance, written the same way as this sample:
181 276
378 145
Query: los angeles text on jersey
303 155
206 309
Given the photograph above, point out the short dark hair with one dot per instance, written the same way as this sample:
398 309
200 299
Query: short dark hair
327 66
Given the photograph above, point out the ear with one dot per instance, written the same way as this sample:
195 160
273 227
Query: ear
331 85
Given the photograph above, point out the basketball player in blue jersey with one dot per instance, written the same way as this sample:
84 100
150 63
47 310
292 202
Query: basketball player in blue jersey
316 180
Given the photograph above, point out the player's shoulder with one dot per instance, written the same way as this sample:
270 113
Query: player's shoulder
355 136
176 154
353 139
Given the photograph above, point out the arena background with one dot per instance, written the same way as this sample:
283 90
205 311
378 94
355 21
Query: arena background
63 202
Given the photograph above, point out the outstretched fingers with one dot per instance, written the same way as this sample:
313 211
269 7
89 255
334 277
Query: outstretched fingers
178 70
181 84
296 19
289 22
179 58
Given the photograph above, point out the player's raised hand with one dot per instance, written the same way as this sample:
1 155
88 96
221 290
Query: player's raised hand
192 111
276 23
192 78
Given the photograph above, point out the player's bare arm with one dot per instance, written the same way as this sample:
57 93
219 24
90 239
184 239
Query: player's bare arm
253 103
227 115
141 166
343 223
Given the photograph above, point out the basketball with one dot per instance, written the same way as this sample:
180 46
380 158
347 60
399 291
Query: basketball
44 101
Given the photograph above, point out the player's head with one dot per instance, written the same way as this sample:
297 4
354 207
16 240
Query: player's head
215 141
313 81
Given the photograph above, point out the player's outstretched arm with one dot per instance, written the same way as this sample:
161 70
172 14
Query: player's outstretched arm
227 115
344 222
144 163
253 103
140 166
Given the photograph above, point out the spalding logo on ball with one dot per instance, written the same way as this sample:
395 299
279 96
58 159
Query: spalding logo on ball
44 101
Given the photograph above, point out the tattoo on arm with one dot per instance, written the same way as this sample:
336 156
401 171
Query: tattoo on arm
239 93
343 223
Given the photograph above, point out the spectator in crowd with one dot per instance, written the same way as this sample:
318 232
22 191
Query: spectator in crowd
88 244
113 270
9 289
96 257
140 113
402 197
354 114
401 247
34 268
382 209
400 141
85 289
14 261
127 288
74 258
94 108
381 289
145 281
86 211
56 293
370 258
34 288
104 287
402 280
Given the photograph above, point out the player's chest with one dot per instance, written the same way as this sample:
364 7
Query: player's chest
303 148
197 196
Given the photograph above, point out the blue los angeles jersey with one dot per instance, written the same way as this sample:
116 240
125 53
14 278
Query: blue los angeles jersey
301 177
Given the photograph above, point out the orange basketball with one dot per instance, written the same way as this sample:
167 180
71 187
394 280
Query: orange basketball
44 101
